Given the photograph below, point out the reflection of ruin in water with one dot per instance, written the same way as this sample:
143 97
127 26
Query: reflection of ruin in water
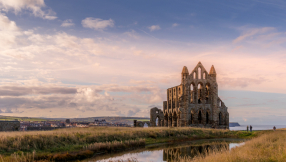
169 151
171 154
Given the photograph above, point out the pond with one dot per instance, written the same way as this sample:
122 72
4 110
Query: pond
170 151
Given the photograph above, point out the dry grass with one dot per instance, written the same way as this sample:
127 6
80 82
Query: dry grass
115 145
268 147
63 138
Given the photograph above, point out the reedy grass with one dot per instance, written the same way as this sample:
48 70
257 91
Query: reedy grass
47 144
115 145
266 148
75 138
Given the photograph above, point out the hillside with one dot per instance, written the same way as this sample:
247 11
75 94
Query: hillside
112 119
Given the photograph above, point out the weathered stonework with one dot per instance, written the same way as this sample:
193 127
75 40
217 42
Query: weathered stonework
140 123
156 114
9 125
195 101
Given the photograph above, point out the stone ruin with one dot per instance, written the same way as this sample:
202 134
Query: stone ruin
193 103
140 123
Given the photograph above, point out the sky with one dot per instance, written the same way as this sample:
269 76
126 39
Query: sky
90 58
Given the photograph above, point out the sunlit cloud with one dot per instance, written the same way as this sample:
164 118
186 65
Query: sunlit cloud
36 6
154 27
97 23
67 23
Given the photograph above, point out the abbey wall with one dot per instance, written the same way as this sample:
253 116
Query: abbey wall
194 102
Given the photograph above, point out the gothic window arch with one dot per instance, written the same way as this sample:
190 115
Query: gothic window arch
200 119
200 94
199 73
207 93
194 75
192 93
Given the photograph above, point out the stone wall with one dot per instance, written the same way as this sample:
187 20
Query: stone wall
155 114
140 123
9 125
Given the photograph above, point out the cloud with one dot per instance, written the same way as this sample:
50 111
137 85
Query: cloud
8 32
241 82
67 23
251 32
154 27
23 90
133 112
33 5
96 23
175 24
132 34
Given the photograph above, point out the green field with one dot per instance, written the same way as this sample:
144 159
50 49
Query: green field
9 118
139 119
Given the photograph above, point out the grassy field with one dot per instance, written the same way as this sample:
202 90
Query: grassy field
46 143
268 147
9 118
139 119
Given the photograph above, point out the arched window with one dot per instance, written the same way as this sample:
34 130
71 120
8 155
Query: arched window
200 117
200 95
192 93
204 76
207 118
219 103
179 90
157 121
191 121
199 73
194 75
207 91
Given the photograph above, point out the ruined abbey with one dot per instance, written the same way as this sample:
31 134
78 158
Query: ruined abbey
193 103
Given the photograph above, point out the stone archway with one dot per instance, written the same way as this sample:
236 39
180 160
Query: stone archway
156 113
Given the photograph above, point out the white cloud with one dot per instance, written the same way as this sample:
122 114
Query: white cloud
8 32
132 34
33 5
252 32
154 27
6 24
67 23
175 24
96 23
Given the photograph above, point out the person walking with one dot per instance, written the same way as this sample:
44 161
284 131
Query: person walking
274 128
250 128
247 128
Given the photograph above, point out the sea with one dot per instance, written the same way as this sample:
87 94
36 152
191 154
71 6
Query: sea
257 127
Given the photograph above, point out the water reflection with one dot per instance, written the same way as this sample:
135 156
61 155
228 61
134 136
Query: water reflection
171 152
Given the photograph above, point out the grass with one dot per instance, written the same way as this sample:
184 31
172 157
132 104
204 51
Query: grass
268 147
140 119
75 139
9 118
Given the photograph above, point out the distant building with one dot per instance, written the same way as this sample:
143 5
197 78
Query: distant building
9 125
100 122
